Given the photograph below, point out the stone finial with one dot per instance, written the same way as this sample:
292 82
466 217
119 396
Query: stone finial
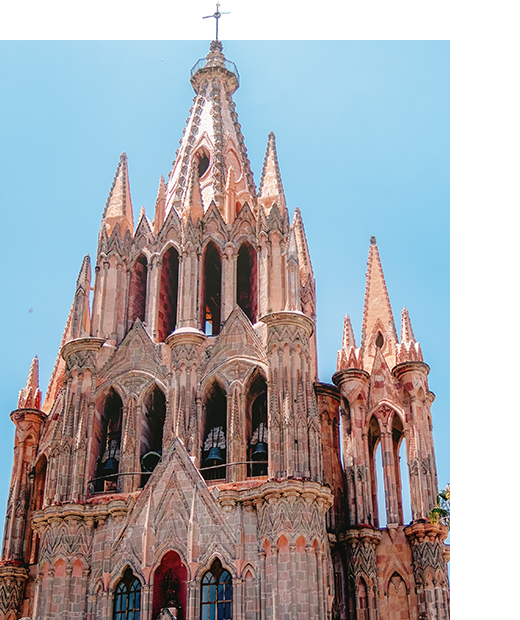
373 240
84 275
118 208
304 255
30 396
270 189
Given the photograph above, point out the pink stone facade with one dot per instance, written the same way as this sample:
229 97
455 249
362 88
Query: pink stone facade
185 436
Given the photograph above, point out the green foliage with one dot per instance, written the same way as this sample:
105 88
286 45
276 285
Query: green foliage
441 512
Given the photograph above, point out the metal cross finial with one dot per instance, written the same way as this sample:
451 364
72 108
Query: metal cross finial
217 15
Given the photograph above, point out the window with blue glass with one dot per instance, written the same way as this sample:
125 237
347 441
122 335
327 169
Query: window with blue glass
127 597
217 593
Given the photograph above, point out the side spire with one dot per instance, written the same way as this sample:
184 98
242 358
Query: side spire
81 306
409 350
160 206
378 329
118 209
271 189
30 396
349 356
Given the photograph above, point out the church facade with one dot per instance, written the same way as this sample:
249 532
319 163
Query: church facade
186 461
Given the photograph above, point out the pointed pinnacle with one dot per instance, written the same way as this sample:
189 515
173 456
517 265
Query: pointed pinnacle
407 334
377 302
271 189
118 208
30 396
192 204
160 206
348 334
84 275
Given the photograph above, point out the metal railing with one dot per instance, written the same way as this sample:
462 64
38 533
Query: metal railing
202 62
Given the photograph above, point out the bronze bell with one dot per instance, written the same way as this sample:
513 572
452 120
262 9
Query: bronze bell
260 453
111 466
150 459
214 457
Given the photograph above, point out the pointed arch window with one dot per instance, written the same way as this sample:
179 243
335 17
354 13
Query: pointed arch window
214 445
257 428
217 593
246 281
211 306
154 413
374 449
137 291
127 598
110 443
168 294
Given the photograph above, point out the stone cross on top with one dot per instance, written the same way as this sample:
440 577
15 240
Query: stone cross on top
217 15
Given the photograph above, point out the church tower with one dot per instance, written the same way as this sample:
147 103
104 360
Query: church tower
186 461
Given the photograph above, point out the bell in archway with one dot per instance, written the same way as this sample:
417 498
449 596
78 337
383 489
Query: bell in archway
260 452
110 467
150 459
214 457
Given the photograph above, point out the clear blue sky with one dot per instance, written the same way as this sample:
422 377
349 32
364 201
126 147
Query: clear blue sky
362 133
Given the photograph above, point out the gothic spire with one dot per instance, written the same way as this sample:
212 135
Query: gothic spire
30 396
304 255
160 206
378 329
81 309
212 140
118 208
270 189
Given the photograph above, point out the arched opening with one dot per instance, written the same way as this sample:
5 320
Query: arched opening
203 162
127 597
257 428
40 476
217 593
214 444
397 598
246 281
137 291
363 600
376 472
169 586
403 495
109 444
154 413
169 288
211 290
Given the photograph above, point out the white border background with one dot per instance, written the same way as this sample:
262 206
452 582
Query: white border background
484 170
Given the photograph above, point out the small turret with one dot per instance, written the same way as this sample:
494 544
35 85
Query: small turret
160 206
